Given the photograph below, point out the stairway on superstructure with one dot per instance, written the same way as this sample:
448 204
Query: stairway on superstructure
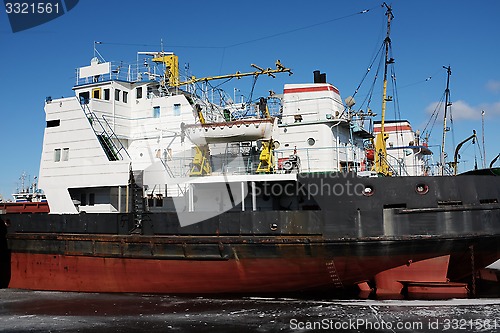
108 139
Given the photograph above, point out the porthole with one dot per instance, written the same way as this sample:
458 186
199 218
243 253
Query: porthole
368 191
311 141
274 226
422 189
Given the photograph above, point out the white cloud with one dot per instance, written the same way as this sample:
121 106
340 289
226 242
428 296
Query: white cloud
493 86
461 110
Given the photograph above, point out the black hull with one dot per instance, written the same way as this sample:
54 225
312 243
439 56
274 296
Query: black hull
322 241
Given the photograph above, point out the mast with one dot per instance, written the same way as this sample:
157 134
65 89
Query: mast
446 105
387 43
482 135
381 166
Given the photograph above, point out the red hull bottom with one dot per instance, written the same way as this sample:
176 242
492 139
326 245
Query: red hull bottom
289 272
437 290
269 275
390 283
98 274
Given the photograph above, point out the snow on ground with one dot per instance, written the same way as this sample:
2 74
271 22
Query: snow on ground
22 311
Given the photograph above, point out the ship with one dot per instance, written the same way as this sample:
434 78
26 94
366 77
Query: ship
163 184
27 198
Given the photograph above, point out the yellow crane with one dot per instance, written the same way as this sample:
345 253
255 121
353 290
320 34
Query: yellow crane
261 71
171 62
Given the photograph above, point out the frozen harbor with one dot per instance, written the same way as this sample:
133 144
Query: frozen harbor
22 311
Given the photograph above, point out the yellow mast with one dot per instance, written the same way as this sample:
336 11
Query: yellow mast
381 166
171 62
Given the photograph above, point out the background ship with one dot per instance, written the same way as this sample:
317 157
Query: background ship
159 185
28 198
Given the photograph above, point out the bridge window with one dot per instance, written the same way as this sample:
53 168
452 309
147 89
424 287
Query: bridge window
117 94
125 97
96 93
138 92
57 155
177 109
106 94
65 154
84 97
156 112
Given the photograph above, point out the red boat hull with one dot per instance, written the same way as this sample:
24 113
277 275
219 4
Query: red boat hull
24 207
97 274
391 281
249 275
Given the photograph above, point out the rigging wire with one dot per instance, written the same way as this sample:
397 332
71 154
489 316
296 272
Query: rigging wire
368 97
427 79
222 59
252 40
436 112
397 111
250 96
433 117
156 45
267 37
480 152
224 47
220 84
293 30
375 55
451 121
375 78
368 70
301 28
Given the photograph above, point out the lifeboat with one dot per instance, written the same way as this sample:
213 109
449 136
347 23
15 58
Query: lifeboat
231 131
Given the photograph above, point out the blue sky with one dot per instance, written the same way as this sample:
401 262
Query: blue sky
219 37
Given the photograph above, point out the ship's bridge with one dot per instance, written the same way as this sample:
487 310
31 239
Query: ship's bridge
311 103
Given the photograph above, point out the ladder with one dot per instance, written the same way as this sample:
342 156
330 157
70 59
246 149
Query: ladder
110 143
138 204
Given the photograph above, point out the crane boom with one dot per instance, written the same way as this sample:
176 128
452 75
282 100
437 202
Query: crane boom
260 71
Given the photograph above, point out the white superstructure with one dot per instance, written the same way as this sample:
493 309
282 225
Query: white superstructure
124 120
315 127
92 140
406 152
